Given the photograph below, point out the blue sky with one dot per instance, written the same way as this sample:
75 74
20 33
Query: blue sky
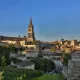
52 19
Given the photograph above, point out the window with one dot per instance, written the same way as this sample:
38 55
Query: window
30 35
29 29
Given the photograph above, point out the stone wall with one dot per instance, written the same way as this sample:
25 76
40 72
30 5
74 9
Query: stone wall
74 70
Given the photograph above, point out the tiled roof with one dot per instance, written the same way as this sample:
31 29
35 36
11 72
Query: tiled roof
19 55
24 63
53 54
11 38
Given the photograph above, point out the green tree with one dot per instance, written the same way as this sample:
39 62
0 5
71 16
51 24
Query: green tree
6 52
3 63
42 64
40 55
11 73
1 75
53 49
66 57
11 47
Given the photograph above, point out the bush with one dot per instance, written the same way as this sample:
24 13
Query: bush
14 73
4 51
44 65
66 57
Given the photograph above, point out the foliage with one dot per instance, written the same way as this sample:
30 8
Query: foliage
26 47
42 64
11 47
50 77
40 55
31 43
3 63
4 51
15 60
53 49
66 57
67 50
1 77
22 49
22 77
20 74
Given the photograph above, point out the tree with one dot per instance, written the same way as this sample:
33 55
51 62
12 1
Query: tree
53 49
42 64
67 50
3 63
24 36
11 73
26 47
40 54
11 47
1 75
6 52
66 57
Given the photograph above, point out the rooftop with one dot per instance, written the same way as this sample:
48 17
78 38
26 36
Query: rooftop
11 38
24 63
19 55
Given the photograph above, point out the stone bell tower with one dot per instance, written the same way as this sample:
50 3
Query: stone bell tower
30 37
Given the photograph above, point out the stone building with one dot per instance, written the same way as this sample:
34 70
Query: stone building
31 36
26 41
74 67
23 64
73 43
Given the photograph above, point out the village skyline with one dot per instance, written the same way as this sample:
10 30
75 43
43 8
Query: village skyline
52 20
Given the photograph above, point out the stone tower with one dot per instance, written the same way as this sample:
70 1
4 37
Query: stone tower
31 37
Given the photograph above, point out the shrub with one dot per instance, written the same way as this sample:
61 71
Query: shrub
17 73
42 64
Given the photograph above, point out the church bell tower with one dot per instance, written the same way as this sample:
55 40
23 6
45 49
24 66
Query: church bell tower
31 37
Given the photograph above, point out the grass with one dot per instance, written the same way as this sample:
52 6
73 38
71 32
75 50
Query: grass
50 77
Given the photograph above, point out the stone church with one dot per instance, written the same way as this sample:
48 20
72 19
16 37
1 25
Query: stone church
31 36
26 41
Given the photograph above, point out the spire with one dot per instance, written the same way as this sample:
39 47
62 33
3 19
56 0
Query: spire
30 21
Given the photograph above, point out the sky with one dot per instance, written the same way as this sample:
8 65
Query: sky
52 19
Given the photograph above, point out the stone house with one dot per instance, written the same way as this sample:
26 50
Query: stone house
23 64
